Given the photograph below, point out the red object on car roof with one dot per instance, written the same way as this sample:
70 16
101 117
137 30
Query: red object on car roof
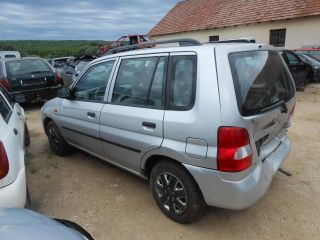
129 40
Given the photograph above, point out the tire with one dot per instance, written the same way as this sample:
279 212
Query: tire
57 144
176 193
27 140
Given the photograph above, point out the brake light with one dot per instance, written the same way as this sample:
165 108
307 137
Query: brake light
4 82
58 79
234 150
4 163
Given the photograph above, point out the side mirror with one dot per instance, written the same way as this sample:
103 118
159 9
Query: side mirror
64 93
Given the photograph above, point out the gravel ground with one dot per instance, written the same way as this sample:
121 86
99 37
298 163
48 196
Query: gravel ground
113 204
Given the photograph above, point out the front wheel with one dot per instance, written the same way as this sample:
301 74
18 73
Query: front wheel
57 144
176 192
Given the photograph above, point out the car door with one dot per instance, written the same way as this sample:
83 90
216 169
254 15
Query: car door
79 117
132 120
297 68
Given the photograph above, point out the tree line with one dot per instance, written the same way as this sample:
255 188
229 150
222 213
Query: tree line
50 48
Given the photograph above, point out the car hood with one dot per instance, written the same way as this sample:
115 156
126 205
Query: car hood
23 224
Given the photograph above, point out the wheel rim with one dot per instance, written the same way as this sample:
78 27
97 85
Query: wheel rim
171 193
53 138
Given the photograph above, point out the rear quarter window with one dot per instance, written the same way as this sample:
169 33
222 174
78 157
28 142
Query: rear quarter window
5 110
260 80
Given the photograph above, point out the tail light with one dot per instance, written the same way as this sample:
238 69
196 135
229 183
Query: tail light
58 79
4 82
234 150
4 163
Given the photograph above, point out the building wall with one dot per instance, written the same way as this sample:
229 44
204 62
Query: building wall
300 32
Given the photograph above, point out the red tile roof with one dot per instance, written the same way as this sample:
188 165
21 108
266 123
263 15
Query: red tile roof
192 15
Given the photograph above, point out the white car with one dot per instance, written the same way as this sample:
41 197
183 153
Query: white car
13 139
9 54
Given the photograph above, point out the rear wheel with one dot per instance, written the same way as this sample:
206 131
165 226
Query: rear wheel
176 192
57 144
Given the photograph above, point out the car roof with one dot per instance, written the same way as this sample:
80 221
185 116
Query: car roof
176 49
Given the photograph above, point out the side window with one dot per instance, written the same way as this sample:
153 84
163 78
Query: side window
93 83
7 96
140 82
183 82
293 60
5 110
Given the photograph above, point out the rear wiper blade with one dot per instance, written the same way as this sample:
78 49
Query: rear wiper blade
282 104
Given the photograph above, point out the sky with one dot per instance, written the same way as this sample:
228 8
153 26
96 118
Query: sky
84 19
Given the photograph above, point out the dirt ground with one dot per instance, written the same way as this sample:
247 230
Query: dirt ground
113 204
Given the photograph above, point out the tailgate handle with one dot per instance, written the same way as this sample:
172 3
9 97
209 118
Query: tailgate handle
149 125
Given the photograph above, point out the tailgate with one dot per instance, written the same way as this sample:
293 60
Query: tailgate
256 92
32 81
29 73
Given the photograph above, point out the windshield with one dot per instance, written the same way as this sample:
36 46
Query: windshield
260 80
26 66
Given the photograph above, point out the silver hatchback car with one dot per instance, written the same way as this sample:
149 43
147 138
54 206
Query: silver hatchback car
206 124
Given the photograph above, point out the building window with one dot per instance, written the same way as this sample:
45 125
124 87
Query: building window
278 37
214 38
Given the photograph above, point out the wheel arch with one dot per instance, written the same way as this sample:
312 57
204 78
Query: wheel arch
153 160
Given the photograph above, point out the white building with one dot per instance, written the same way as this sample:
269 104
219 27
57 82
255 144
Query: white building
283 23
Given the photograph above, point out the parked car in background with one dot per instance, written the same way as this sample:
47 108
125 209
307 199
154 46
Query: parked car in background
204 123
314 63
313 51
71 70
79 68
9 54
298 69
29 79
14 138
57 63
128 40
23 224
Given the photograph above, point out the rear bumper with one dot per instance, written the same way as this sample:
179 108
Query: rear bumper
220 190
36 94
14 195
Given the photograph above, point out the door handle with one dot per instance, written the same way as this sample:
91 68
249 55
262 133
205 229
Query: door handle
91 115
149 125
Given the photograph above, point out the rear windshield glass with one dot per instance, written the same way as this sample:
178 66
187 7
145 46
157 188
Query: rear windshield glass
26 66
260 80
